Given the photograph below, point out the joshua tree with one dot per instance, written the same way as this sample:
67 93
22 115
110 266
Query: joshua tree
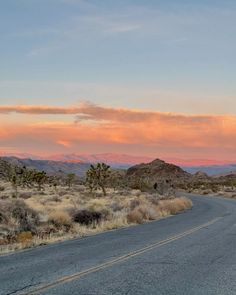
14 183
26 176
97 177
70 179
14 175
40 178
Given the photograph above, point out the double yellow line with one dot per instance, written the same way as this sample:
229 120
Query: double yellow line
78 275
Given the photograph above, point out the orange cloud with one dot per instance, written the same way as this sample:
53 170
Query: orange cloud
64 143
145 132
89 111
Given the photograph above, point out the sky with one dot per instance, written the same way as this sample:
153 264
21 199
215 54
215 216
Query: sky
141 77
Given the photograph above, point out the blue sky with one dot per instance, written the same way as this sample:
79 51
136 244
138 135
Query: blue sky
170 56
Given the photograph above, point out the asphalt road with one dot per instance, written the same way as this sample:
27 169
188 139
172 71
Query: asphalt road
190 253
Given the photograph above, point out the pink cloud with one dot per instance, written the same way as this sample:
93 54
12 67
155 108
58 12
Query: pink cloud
144 132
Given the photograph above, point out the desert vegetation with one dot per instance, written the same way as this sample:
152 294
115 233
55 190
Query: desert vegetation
224 186
37 208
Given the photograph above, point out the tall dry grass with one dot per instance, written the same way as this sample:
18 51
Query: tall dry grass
55 212
147 211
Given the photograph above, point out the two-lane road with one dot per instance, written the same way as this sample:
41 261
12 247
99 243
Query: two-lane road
190 253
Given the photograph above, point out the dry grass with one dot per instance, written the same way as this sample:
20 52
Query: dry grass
148 211
172 207
55 211
60 219
135 216
25 239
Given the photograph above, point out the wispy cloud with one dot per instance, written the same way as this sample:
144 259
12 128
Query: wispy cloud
97 22
89 111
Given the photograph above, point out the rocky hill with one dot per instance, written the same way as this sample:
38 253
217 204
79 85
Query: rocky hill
158 171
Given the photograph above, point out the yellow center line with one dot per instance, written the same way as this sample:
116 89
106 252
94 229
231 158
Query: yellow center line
78 275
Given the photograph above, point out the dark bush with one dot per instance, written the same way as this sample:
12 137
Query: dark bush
2 188
87 217
4 197
25 195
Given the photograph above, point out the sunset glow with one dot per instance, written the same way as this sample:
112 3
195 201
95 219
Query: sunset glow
142 78
95 128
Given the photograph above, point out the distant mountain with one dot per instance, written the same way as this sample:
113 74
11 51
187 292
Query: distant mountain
21 156
122 161
115 160
51 167
212 169
226 174
197 162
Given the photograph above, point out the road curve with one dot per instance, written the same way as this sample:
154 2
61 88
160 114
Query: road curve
190 253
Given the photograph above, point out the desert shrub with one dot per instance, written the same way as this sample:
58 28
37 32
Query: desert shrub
60 219
100 205
186 202
116 207
105 213
135 192
3 217
25 195
61 193
4 197
87 217
154 199
97 204
135 216
27 218
167 208
174 206
119 219
3 241
2 188
46 231
139 184
25 238
147 212
134 203
17 214
7 235
55 198
4 210
14 195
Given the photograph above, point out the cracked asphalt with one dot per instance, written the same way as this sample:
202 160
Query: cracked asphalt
200 262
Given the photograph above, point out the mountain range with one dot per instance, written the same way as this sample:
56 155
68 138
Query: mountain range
212 170
115 160
78 162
